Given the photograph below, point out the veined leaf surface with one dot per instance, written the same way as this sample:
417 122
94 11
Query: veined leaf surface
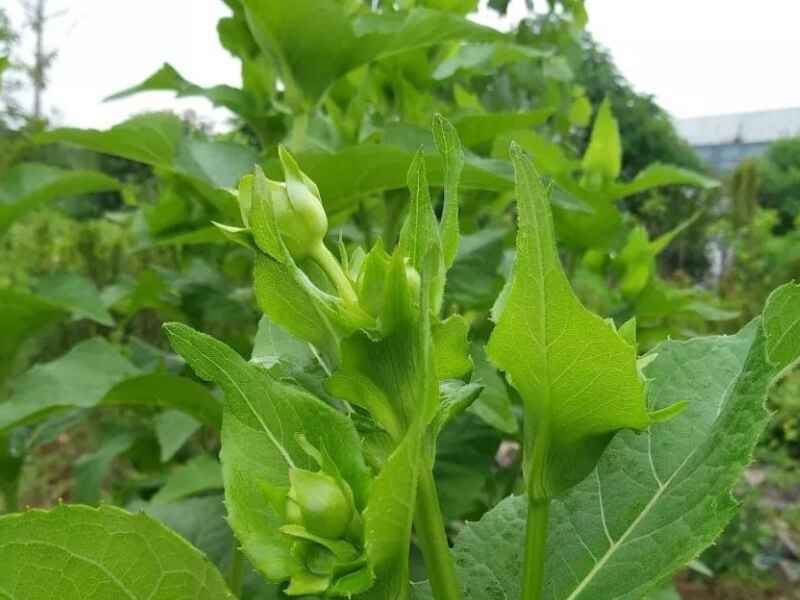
577 376
657 499
81 553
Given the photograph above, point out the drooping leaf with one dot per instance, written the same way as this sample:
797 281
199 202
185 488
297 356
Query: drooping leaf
60 553
77 292
577 376
655 500
167 78
158 139
92 373
27 186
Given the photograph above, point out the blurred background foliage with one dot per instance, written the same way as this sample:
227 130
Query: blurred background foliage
104 235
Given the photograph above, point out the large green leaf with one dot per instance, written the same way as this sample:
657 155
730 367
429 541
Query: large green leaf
657 499
315 41
346 176
93 373
577 375
79 553
159 139
263 418
29 185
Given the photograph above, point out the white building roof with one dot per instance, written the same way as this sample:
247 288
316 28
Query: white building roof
740 128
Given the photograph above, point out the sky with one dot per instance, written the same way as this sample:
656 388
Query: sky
697 57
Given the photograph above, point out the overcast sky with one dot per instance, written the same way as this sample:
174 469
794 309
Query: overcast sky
696 57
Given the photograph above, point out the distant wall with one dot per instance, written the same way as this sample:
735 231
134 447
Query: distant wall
723 158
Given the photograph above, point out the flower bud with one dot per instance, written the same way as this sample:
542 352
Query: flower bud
291 212
317 502
298 209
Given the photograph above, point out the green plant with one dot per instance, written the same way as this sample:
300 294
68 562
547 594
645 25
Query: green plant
327 470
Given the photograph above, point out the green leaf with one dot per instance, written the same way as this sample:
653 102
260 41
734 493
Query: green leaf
388 519
314 42
782 325
79 379
116 555
173 430
474 280
493 406
420 232
201 521
91 469
22 315
168 391
451 348
658 175
168 79
93 373
27 186
477 129
152 139
485 58
577 376
449 146
655 500
602 160
76 292
159 140
263 418
200 474
349 174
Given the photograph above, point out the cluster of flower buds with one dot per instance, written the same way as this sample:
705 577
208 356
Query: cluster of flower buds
326 533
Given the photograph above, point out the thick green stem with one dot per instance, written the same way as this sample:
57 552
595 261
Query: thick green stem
535 541
333 269
537 438
432 540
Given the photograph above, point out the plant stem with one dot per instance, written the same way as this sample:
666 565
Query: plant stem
298 133
535 540
236 575
333 269
432 540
